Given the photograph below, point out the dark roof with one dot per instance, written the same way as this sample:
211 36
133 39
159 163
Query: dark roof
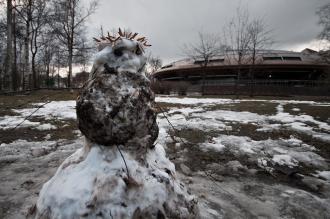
264 57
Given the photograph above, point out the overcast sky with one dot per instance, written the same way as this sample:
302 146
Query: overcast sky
168 24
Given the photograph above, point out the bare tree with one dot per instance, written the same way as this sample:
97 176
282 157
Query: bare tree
70 18
237 37
9 52
260 38
154 63
34 14
47 53
59 61
83 52
24 11
324 21
3 32
39 21
207 47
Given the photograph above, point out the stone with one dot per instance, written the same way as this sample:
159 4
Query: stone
186 170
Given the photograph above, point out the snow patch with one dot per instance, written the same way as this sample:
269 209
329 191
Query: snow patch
54 109
44 127
90 182
284 159
323 174
214 145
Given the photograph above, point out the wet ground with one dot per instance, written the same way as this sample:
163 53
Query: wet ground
248 158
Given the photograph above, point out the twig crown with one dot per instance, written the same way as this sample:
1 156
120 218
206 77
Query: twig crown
109 39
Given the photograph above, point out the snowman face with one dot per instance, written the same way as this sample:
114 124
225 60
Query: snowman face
126 56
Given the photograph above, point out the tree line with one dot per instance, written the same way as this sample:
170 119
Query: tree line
38 38
240 41
242 38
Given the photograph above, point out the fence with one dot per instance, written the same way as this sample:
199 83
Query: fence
246 87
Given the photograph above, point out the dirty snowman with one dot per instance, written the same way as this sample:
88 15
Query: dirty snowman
119 172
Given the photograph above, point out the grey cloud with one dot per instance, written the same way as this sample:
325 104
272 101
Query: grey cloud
170 23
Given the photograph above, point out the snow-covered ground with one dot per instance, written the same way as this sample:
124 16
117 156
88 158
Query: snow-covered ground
277 175
239 162
54 110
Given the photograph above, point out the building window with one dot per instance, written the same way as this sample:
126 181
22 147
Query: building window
288 58
217 60
199 62
272 58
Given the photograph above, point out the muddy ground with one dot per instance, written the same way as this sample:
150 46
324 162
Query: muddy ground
227 182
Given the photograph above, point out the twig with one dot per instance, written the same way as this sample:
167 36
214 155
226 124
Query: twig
174 129
111 215
20 105
39 107
122 156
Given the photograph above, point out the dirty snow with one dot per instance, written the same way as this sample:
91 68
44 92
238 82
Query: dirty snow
54 109
10 122
194 101
199 117
214 145
285 159
225 190
323 174
225 197
86 175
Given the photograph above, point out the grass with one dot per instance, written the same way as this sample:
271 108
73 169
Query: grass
25 100
261 108
321 113
196 159
288 97
64 128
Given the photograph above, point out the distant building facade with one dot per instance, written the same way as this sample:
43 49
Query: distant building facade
271 68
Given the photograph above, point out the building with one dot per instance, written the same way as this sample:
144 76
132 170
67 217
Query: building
271 68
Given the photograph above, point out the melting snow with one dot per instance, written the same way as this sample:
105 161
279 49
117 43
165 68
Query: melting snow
285 159
57 109
54 110
324 174
10 122
290 152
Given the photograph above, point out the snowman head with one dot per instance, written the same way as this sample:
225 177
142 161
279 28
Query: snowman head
124 52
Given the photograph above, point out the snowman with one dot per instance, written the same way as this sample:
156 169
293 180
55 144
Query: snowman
119 172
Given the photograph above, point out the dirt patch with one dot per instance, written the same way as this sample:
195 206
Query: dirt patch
321 113
197 159
26 99
161 107
234 97
65 130
261 108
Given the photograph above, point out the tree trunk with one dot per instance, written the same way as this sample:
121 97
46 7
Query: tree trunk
203 78
70 40
70 67
34 51
47 73
26 69
58 76
237 81
53 79
34 72
252 70
14 69
9 54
